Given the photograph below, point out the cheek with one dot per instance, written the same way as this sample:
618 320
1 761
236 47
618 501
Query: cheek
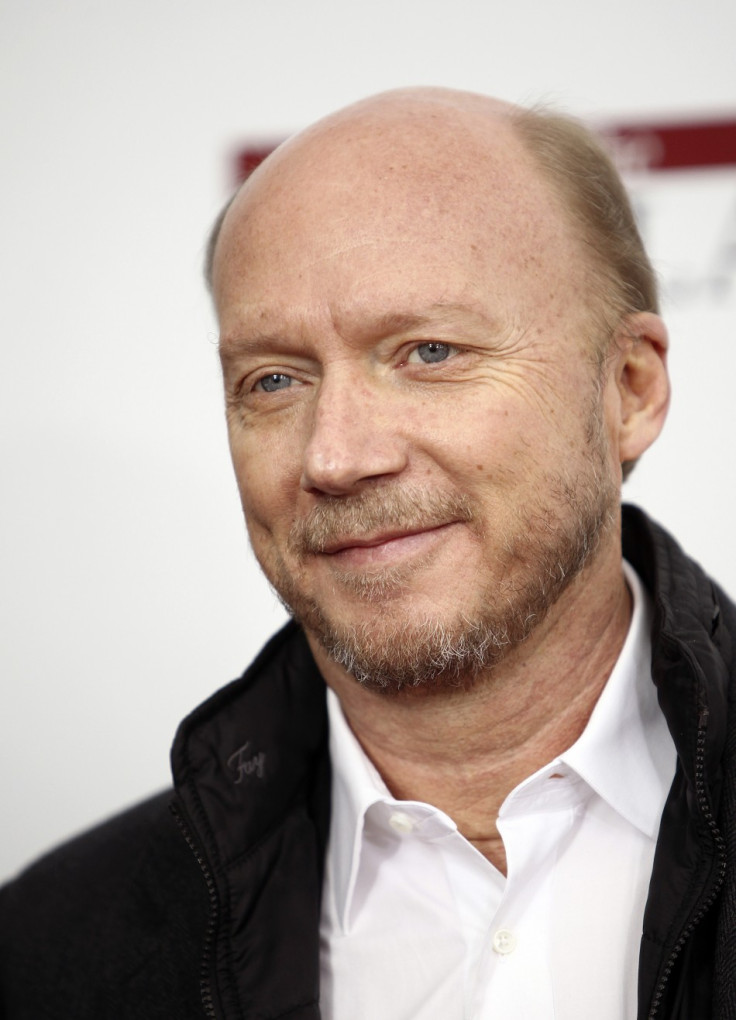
491 441
515 449
268 481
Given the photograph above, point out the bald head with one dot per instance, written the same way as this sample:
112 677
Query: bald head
432 188
426 135
428 165
435 137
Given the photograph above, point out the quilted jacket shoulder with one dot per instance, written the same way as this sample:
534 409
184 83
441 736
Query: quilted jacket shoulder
109 925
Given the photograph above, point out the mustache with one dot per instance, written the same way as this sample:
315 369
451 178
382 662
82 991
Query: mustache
373 511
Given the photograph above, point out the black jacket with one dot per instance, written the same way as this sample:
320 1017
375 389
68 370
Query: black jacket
208 903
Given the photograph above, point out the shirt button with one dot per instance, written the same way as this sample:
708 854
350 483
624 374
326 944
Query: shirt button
401 822
504 942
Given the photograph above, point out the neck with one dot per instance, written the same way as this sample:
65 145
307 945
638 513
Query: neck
464 749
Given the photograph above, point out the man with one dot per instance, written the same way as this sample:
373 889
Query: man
441 353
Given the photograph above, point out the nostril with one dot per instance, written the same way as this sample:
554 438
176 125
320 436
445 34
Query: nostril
341 470
354 435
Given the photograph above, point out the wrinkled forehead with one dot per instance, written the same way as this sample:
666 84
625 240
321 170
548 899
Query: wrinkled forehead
444 190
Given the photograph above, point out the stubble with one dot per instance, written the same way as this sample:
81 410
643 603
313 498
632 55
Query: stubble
548 543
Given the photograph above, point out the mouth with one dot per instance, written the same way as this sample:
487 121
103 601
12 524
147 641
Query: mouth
342 544
377 526
384 547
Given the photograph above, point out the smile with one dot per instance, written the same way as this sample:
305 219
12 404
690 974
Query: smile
385 548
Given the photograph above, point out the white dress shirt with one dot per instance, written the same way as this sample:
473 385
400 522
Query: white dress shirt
418 925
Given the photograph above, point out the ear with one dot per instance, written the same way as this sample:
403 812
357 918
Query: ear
642 381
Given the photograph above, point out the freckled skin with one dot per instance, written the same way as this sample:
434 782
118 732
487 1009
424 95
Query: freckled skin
310 257
409 220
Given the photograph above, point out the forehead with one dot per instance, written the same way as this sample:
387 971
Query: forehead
439 212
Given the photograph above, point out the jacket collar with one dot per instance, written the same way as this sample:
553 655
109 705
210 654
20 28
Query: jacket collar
251 773
687 664
690 667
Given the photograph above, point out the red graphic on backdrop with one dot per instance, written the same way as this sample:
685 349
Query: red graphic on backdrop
664 146
249 157
687 145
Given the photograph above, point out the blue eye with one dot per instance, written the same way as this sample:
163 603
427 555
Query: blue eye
432 352
273 382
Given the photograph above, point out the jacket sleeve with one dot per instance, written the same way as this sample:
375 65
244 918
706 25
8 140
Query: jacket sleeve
108 926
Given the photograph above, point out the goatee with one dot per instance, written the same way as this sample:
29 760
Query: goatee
548 545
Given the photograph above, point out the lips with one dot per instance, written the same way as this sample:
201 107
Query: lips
387 549
371 541
374 519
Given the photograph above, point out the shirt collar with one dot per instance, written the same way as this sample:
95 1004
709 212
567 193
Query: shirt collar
356 786
625 753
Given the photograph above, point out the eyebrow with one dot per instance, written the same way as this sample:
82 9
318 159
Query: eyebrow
378 327
254 343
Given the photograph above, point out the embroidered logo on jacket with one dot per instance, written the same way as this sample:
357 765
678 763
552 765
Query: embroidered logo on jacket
244 763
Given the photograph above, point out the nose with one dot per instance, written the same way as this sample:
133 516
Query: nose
355 436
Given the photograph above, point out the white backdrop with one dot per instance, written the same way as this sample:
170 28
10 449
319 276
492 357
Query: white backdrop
128 592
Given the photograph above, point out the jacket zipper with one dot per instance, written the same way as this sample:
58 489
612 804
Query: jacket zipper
721 849
205 984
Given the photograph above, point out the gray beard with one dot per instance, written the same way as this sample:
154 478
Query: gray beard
551 543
